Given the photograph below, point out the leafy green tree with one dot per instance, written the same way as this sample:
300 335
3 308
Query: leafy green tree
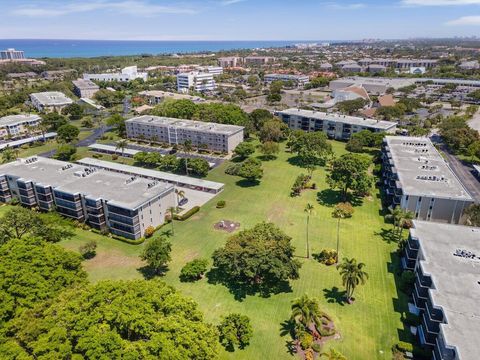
258 117
350 172
108 98
235 330
261 255
65 152
32 271
391 112
180 109
53 121
269 149
473 215
273 130
251 169
118 123
244 149
75 111
67 133
157 254
8 155
118 320
88 250
312 148
196 166
317 82
351 106
19 222
194 270
352 275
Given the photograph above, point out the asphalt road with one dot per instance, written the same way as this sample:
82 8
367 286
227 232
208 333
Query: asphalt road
464 173
90 139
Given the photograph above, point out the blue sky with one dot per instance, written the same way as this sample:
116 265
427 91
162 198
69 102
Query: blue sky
238 19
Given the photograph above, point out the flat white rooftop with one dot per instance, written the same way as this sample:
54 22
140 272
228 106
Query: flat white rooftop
352 120
421 169
193 125
112 148
52 98
456 280
153 174
117 189
11 120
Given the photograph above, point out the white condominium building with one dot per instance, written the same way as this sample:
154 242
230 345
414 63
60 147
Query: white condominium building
217 137
12 54
127 74
17 126
85 88
196 81
50 101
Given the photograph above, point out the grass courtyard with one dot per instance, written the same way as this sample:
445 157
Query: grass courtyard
368 328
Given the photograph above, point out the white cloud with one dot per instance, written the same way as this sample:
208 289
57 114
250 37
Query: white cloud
133 7
353 6
439 2
465 20
230 2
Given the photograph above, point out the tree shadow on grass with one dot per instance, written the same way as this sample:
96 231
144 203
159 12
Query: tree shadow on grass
334 295
295 161
267 157
388 235
246 183
287 328
149 273
330 198
240 289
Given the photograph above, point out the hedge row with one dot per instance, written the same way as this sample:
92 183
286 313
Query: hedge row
188 214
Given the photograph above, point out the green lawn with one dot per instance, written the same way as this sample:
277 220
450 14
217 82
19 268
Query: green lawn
368 328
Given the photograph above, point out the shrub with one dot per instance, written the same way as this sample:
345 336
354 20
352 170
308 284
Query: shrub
114 157
316 347
411 319
149 231
306 340
188 214
404 346
406 281
88 250
194 270
233 169
221 204
343 210
309 355
300 184
326 256
235 330
97 156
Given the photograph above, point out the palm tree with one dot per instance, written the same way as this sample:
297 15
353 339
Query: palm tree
352 275
187 149
171 210
121 145
180 195
400 219
8 155
309 210
305 310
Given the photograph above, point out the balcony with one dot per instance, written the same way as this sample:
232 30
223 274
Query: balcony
442 353
433 313
432 327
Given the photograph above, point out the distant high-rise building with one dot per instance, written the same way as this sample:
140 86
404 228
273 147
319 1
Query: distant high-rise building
12 54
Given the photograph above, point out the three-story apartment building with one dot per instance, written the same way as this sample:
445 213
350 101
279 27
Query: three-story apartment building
17 126
125 205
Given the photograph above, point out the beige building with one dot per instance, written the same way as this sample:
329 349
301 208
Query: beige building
216 137
417 178
85 88
18 126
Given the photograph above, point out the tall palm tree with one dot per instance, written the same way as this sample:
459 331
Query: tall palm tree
187 149
309 210
305 310
180 195
8 155
400 219
171 210
121 145
352 275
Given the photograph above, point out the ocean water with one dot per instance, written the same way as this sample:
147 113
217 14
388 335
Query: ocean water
94 48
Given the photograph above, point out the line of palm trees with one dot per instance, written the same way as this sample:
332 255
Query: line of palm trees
351 271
